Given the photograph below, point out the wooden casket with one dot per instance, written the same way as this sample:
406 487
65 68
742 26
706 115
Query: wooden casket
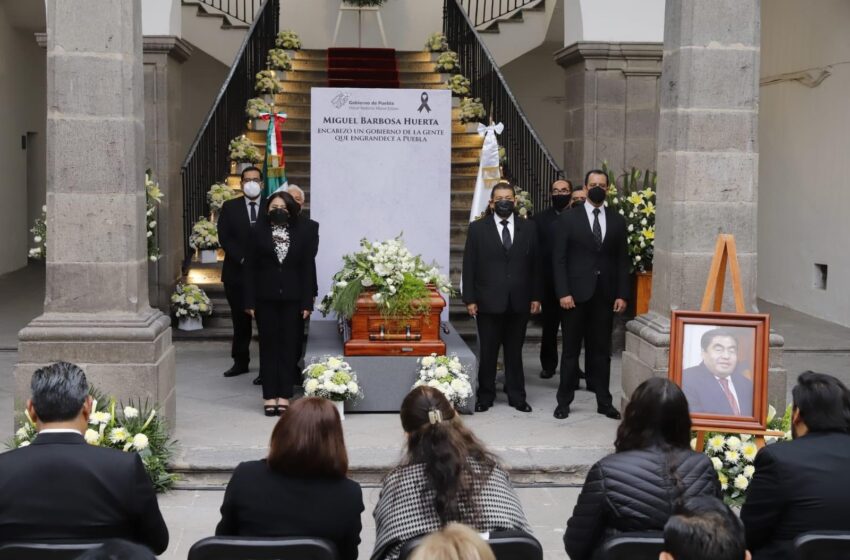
375 335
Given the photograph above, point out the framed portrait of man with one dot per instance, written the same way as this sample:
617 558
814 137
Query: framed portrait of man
720 362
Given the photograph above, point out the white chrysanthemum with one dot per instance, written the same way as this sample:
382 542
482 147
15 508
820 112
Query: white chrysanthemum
24 444
118 435
733 443
428 361
334 363
715 443
741 482
749 471
92 437
140 441
749 451
311 386
717 463
130 412
99 418
353 387
22 433
732 456
441 371
366 281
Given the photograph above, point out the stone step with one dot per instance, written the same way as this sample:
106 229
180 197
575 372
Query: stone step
321 77
400 56
305 87
315 65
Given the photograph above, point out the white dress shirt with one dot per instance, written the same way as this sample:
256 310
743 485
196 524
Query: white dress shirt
248 203
589 208
60 431
510 220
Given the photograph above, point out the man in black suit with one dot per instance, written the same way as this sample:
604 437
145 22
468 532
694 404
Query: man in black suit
61 488
802 485
502 285
591 266
714 386
235 221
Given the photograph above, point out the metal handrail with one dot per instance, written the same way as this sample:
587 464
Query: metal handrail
484 12
529 164
243 10
208 159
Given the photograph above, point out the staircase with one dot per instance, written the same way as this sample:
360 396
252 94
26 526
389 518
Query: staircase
216 26
311 68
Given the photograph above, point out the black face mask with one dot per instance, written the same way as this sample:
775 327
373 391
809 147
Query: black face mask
278 217
560 201
504 208
596 195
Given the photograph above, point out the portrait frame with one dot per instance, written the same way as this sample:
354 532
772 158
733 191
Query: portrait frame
760 324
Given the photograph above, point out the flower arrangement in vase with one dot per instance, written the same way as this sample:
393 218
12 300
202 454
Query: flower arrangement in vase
257 106
127 428
471 110
244 153
459 85
204 238
634 199
218 194
448 63
153 198
190 303
437 42
278 59
288 40
266 83
39 236
332 378
447 375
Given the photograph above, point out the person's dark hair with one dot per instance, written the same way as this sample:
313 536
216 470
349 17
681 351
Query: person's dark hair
574 188
456 462
308 442
502 186
292 207
823 402
595 172
562 180
704 528
708 336
59 391
118 549
251 168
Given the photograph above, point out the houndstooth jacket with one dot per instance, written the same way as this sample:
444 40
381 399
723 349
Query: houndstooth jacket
405 509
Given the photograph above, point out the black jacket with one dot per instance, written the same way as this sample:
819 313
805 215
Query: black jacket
61 488
798 486
262 503
234 233
546 227
266 279
577 263
493 277
633 491
314 225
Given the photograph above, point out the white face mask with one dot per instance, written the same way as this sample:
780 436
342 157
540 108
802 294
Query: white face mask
251 189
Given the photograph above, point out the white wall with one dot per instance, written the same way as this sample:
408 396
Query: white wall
22 110
613 20
407 23
804 186
161 17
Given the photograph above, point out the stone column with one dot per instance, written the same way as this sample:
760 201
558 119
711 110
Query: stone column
96 310
707 173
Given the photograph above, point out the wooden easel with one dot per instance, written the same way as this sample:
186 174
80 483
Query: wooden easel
725 255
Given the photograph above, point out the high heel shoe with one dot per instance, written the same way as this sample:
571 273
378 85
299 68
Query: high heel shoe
270 410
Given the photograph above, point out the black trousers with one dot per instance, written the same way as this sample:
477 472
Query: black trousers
280 327
242 332
592 321
505 330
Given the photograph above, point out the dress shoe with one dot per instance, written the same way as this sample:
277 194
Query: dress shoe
236 370
522 407
609 411
258 381
562 412
481 407
547 374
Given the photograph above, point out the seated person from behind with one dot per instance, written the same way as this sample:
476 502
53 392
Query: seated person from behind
455 541
704 529
61 488
300 489
802 485
714 386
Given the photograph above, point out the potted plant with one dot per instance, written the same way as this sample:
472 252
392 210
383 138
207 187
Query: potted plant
436 43
288 40
153 196
459 85
218 194
279 59
255 107
39 236
204 239
190 303
332 378
471 110
448 63
244 153
447 375
267 85
524 205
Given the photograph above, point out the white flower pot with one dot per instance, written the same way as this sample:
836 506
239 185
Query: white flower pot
260 124
190 324
340 407
208 256
471 127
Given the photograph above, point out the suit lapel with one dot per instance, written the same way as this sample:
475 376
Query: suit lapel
519 234
494 232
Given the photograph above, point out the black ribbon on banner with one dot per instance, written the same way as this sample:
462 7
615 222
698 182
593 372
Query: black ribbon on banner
424 99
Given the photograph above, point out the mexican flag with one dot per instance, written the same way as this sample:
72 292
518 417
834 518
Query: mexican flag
274 166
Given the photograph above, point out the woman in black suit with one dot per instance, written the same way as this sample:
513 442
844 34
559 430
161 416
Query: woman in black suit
300 489
279 278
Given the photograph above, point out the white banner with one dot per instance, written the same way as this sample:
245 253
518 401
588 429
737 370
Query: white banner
380 165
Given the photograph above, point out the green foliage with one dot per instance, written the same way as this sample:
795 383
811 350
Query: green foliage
436 42
632 194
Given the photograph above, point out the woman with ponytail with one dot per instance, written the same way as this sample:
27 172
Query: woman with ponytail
447 475
652 470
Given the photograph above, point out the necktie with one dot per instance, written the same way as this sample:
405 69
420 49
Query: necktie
597 229
506 235
724 384
253 206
